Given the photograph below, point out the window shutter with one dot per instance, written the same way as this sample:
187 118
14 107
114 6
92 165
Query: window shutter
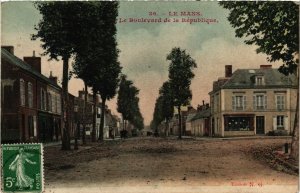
34 126
276 102
274 123
254 102
233 102
286 122
283 102
244 102
265 101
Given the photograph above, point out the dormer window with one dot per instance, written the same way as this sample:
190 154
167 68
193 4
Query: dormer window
259 80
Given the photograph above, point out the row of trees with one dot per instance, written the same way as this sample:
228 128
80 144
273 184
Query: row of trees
176 91
128 104
86 33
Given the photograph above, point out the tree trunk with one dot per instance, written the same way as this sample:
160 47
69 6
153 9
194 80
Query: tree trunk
295 133
65 106
180 126
101 137
166 129
94 115
84 117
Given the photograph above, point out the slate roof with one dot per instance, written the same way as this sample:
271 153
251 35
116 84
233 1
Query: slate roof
245 79
12 59
190 117
202 114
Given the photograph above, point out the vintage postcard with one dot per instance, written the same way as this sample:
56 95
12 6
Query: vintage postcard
150 96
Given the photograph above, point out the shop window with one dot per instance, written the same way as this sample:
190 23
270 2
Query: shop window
238 123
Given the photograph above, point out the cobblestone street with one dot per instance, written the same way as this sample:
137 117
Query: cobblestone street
166 165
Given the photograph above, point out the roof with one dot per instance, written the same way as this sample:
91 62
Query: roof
12 59
202 114
245 79
190 117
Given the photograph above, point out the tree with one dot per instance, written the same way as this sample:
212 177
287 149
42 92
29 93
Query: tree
164 107
97 60
180 77
57 31
128 103
167 106
274 28
157 114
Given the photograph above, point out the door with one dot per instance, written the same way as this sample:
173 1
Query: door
260 125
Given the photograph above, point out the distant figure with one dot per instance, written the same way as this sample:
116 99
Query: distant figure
18 165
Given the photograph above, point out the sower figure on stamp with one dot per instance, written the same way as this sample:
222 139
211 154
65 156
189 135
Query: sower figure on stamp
18 165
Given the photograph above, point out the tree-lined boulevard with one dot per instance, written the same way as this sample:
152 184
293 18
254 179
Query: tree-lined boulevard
82 36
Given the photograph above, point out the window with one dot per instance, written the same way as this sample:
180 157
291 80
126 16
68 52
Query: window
239 102
53 103
280 100
58 103
280 122
260 102
22 92
49 102
30 95
259 80
43 99
238 123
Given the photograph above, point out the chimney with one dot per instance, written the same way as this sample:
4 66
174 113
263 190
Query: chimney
10 49
265 66
228 71
53 78
34 62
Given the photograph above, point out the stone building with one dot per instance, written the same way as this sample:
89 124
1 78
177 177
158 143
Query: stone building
253 102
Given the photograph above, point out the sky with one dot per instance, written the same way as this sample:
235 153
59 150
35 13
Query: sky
144 46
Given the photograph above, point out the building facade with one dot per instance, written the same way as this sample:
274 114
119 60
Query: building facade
31 102
253 102
200 123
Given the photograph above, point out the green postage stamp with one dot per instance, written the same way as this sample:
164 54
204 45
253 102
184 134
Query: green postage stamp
22 168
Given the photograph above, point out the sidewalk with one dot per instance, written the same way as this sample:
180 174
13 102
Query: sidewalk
231 138
55 143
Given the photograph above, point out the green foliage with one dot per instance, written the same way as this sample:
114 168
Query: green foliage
167 101
96 60
128 103
157 114
164 107
57 28
180 76
272 26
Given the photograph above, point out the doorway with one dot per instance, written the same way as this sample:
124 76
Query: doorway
260 125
